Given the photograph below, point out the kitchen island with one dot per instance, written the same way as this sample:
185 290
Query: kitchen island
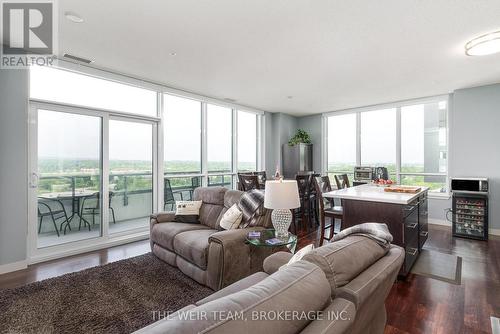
405 214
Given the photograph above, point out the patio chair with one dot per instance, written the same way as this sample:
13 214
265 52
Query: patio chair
91 206
51 208
168 195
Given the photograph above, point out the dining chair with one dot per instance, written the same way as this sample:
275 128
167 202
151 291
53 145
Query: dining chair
262 178
51 208
335 212
325 186
304 186
342 181
248 182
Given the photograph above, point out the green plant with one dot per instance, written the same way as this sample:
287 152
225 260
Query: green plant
300 137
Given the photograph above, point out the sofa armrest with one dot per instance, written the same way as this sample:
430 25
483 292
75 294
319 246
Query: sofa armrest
231 258
273 262
162 217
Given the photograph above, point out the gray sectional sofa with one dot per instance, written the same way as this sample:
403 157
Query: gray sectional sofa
206 253
340 287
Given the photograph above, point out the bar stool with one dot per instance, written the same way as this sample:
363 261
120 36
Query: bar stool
335 212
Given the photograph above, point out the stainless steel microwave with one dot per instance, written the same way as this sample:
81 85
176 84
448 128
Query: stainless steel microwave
469 185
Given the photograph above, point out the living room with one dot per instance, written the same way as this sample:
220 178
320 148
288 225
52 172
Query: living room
172 166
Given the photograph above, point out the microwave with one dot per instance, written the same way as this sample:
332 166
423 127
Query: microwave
469 185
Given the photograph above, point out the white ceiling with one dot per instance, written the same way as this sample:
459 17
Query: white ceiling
327 54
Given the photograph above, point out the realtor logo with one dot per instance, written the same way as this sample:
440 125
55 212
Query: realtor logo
27 33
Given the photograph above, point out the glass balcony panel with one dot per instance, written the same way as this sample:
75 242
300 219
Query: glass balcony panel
221 181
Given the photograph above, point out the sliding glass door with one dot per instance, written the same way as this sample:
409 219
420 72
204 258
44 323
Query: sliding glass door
69 176
93 177
130 175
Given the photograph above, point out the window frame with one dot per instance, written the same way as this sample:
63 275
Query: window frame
398 106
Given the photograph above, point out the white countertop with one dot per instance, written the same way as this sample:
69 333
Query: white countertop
373 193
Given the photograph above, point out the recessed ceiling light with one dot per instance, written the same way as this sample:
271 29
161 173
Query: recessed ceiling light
484 45
73 17
173 54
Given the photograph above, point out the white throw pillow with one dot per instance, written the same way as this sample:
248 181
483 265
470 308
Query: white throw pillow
300 254
232 218
187 211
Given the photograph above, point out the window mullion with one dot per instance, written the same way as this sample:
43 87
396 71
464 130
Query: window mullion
204 157
398 145
234 165
358 139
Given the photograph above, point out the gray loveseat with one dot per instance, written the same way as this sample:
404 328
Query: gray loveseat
344 283
206 253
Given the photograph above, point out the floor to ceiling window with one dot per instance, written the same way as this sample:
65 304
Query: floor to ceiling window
182 131
341 143
208 138
219 146
409 138
247 141
378 139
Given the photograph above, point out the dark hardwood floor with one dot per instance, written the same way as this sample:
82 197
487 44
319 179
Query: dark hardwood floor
416 305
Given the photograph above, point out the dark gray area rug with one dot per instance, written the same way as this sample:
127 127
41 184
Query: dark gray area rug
440 266
119 297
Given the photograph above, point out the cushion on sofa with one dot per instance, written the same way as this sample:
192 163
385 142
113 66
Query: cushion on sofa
213 203
193 246
300 287
231 197
163 234
187 211
343 260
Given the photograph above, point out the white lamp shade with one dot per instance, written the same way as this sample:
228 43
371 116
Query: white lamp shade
281 195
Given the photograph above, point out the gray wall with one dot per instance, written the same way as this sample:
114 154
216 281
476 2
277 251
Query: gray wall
312 124
279 128
475 139
13 165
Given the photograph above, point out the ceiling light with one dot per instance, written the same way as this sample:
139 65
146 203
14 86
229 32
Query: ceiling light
484 45
173 54
73 17
289 97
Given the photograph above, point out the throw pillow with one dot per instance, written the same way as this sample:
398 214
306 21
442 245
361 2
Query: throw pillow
187 211
300 254
232 218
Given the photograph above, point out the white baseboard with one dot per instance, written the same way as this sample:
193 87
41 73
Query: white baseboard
15 266
442 222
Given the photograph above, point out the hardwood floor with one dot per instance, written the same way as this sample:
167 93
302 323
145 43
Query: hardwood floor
41 271
417 305
425 305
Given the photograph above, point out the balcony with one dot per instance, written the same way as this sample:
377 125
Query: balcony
76 198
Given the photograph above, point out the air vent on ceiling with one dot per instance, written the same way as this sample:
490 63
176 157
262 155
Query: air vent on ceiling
76 58
229 100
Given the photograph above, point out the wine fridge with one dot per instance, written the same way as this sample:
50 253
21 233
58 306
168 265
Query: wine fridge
470 208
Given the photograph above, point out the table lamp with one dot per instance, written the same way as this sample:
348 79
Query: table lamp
281 196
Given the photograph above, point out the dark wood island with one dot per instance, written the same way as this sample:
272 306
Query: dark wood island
406 215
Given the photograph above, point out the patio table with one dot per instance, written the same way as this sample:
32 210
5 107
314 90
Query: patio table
75 197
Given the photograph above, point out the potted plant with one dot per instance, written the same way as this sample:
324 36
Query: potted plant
300 137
